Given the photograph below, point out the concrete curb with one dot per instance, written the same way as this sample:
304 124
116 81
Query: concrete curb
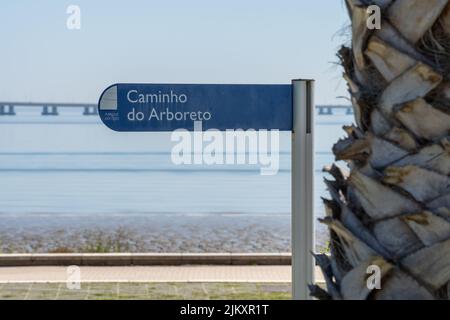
143 259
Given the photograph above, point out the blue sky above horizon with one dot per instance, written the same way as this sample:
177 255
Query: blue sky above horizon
177 41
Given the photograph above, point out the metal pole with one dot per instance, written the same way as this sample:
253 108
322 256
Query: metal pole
302 188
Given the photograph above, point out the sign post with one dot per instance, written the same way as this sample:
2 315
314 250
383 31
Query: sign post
302 196
167 107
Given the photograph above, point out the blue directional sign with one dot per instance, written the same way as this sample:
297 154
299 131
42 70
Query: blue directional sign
167 107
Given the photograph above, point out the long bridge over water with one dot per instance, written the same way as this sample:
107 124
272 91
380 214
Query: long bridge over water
48 108
89 109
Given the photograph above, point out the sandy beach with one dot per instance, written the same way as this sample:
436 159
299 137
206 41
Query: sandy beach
42 233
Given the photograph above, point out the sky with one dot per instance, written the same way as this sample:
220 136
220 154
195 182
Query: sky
170 41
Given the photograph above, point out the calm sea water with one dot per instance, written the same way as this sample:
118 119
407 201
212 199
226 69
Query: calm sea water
71 165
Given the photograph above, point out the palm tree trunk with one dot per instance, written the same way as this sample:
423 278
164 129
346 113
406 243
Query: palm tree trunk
392 209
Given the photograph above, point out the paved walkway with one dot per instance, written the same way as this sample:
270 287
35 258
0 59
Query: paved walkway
55 274
147 291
